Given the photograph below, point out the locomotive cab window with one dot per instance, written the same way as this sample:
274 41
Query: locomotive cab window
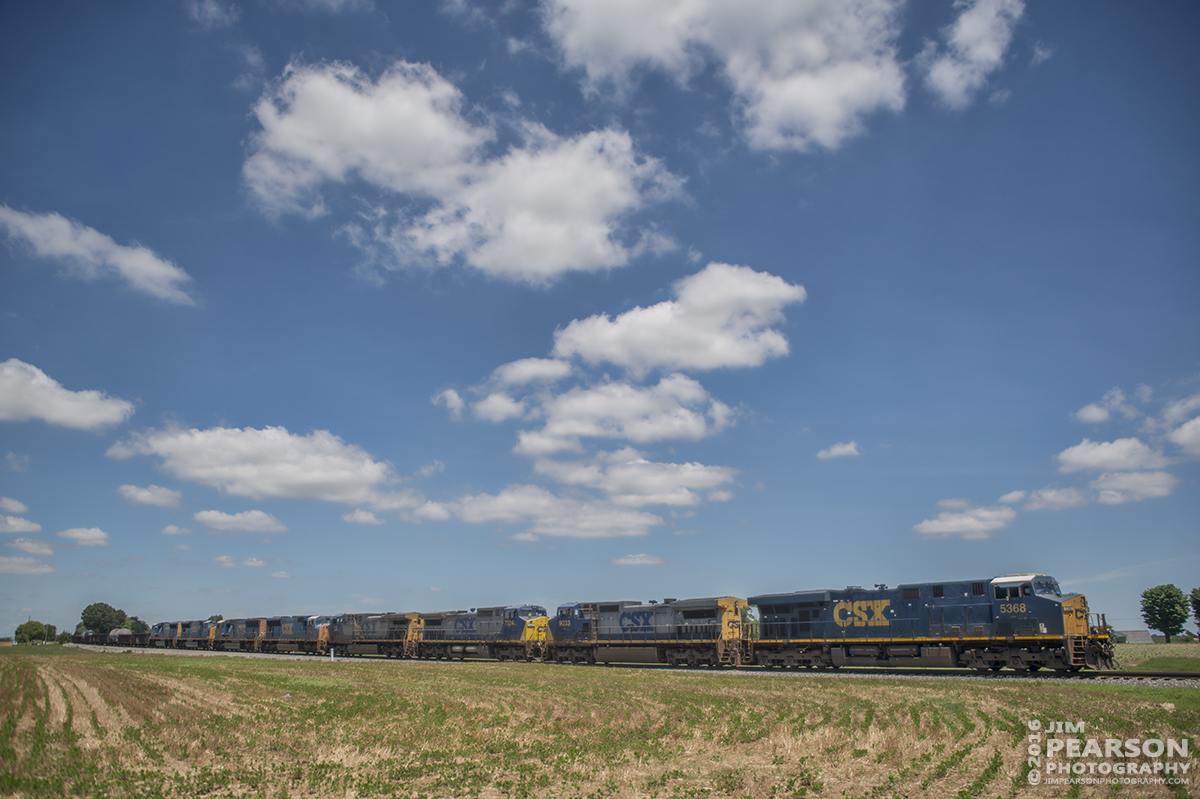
1027 590
1046 587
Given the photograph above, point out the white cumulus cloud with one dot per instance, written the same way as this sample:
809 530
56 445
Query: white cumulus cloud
24 566
839 451
677 407
32 546
86 536
281 575
151 495
966 520
1116 488
722 317
233 563
1120 455
1178 410
1056 499
250 521
10 505
432 511
803 74
498 407
171 529
26 392
360 516
531 370
1187 437
550 515
213 14
270 462
976 43
451 400
1113 401
17 524
89 254
630 480
547 206
638 560
554 206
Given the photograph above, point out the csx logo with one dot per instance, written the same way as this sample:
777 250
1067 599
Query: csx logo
868 613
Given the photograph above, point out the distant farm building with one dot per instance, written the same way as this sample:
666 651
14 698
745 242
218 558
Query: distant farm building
1134 637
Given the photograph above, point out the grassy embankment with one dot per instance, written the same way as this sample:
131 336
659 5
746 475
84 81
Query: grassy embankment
1158 657
153 725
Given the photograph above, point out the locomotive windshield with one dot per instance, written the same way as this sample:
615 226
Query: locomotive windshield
1046 586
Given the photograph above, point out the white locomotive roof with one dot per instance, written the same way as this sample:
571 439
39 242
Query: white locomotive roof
1017 578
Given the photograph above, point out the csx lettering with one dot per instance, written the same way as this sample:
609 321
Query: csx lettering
868 613
643 618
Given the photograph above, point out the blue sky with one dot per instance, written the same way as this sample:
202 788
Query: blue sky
322 306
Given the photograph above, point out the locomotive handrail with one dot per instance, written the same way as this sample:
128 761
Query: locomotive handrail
707 631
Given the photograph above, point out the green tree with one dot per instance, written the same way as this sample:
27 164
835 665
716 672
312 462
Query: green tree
1165 608
30 631
64 637
219 617
51 632
1196 606
101 617
136 625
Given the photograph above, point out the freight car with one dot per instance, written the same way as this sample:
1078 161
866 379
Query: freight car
1022 621
121 636
689 632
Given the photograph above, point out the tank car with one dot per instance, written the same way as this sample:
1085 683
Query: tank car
679 632
1020 621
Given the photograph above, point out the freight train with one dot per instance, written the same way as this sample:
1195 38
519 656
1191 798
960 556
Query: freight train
1019 621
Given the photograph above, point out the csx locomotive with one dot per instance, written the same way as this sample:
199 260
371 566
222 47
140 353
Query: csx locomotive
1019 621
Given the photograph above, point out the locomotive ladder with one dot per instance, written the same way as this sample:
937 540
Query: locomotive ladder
729 653
1077 649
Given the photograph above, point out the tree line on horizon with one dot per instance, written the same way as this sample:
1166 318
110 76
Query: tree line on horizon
99 617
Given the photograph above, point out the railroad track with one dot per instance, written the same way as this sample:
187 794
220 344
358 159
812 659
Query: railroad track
1041 674
1131 677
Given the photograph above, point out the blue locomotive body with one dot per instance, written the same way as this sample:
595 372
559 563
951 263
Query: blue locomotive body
1022 621
506 632
690 631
